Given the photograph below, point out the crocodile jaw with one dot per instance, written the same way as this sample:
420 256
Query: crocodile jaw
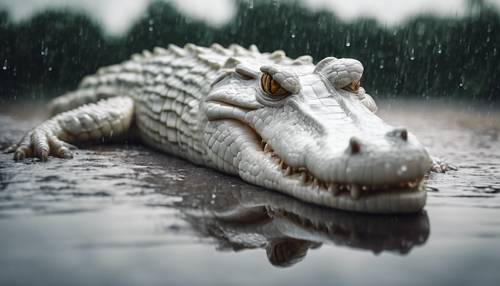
265 168
256 162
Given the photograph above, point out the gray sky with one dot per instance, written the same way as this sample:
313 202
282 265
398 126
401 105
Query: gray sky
116 16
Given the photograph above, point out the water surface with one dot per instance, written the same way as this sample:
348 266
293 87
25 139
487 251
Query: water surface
123 214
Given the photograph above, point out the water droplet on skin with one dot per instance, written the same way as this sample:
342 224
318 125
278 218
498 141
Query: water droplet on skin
402 170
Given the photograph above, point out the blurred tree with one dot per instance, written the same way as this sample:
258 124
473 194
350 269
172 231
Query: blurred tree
161 25
427 56
8 71
54 49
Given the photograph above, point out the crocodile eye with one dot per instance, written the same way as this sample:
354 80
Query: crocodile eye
272 87
353 86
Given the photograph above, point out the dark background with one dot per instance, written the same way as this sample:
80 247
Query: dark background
426 57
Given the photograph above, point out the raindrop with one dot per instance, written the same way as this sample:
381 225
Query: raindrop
250 4
412 54
50 69
402 170
4 67
293 36
348 40
439 49
151 23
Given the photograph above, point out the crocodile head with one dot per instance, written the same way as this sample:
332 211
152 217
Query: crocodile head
310 131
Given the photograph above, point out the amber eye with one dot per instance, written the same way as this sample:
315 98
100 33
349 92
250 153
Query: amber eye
353 86
272 87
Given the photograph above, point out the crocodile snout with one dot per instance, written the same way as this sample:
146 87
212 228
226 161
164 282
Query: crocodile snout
385 160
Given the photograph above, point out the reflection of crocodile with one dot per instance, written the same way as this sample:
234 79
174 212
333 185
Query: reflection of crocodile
306 130
287 228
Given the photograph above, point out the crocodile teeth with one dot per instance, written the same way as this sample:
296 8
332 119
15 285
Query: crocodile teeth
267 148
283 165
334 189
305 178
322 185
412 184
355 192
315 183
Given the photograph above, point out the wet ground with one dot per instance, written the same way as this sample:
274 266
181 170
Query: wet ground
127 215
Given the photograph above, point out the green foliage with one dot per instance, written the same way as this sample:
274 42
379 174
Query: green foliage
427 56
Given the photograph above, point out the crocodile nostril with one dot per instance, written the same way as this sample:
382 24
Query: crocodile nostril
355 145
404 134
399 132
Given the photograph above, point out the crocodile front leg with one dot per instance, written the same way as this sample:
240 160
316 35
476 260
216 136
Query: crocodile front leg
100 121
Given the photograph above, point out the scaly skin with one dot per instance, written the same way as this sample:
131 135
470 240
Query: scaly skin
306 130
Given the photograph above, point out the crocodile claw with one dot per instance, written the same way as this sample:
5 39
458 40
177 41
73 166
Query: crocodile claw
10 149
41 144
440 166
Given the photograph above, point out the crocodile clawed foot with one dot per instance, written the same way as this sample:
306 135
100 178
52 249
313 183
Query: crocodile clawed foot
40 144
440 166
10 149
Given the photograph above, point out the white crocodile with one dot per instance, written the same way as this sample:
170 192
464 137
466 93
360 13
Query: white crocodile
309 131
